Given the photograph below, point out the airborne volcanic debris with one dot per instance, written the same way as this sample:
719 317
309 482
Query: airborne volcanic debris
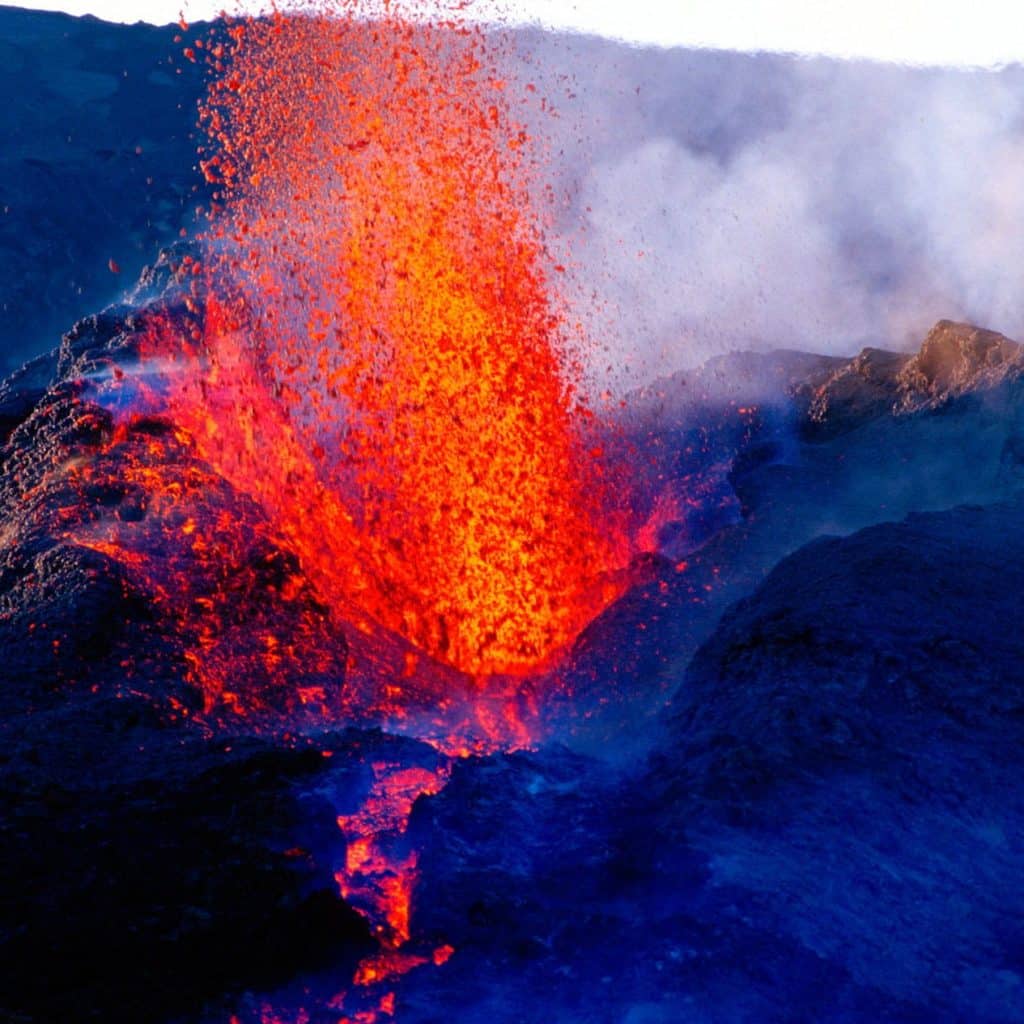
382 297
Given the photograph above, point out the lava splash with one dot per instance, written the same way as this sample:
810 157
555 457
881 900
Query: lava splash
387 365
375 353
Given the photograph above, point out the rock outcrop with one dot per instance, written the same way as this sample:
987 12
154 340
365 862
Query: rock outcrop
954 360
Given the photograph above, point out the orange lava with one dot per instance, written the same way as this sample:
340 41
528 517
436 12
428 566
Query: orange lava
377 356
388 368
374 879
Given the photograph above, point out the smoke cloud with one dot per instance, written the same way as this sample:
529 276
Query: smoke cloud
714 201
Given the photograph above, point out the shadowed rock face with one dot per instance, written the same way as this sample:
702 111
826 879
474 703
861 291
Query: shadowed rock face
852 644
181 870
846 748
862 389
97 164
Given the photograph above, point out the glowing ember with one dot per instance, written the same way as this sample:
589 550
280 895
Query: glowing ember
386 366
375 356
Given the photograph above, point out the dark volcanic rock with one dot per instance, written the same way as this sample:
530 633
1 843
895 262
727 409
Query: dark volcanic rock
179 872
847 749
559 886
97 164
849 640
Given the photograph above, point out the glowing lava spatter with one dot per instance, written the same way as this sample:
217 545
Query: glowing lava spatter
379 359
381 271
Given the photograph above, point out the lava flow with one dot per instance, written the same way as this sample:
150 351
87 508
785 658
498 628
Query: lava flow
376 357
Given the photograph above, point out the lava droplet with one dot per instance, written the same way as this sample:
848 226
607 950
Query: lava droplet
388 367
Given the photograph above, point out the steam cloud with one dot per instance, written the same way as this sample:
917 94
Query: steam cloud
725 201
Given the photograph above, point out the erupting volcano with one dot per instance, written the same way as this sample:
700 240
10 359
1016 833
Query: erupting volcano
365 665
373 350
383 358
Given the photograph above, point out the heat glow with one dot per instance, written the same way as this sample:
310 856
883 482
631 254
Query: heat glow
375 359
387 364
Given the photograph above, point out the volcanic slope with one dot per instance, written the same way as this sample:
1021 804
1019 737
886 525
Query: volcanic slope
119 704
827 832
750 457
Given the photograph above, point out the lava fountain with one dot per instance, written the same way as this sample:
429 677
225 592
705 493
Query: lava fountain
388 367
381 358
376 354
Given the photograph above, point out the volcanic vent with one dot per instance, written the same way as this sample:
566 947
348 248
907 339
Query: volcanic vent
383 361
348 464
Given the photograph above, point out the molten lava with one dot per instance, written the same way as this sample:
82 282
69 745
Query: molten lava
375 355
387 368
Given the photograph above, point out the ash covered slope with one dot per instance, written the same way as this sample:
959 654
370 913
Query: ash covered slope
97 163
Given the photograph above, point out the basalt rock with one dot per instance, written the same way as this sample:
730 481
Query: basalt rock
849 641
173 871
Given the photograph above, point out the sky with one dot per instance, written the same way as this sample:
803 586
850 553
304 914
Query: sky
975 33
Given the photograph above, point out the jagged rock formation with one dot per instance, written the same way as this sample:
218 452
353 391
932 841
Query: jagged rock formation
954 360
